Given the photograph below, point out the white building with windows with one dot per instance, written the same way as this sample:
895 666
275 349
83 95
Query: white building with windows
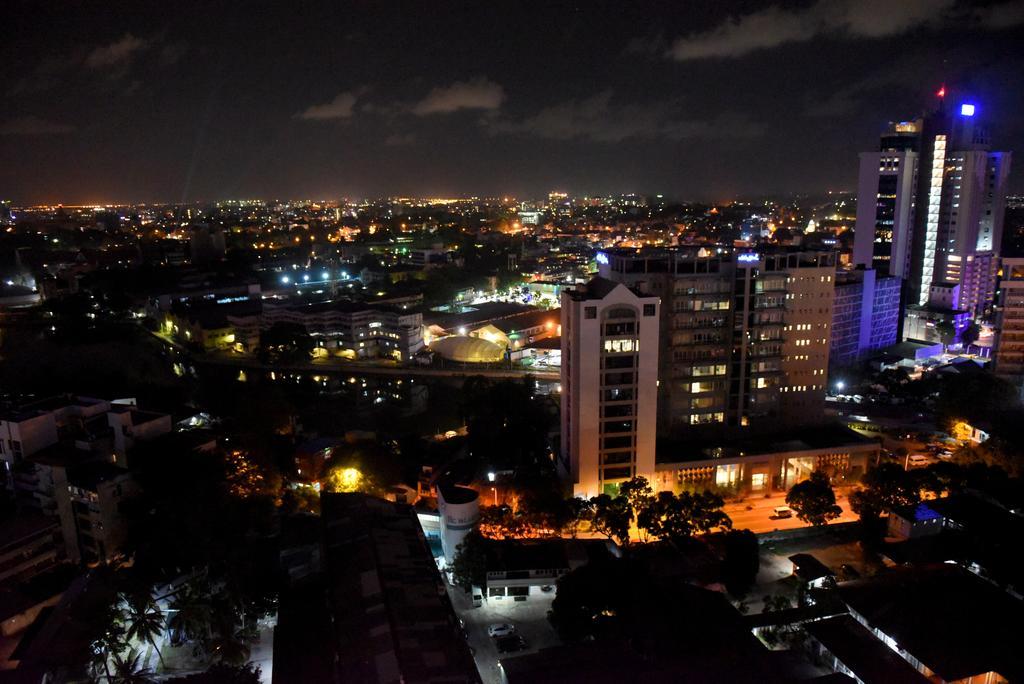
609 385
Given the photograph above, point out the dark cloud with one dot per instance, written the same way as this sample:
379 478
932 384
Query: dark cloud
499 97
775 26
601 119
341 107
479 93
118 53
33 126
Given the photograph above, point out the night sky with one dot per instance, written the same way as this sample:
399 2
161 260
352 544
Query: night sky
195 101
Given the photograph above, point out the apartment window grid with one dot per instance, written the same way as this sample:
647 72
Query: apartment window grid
620 337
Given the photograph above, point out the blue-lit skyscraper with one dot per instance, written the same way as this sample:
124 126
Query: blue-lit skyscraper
930 206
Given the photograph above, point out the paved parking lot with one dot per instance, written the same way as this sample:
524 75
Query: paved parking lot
529 617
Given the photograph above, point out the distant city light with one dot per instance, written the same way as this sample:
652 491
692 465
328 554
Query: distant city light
325 275
942 92
490 476
748 258
966 110
285 279
840 385
305 277
602 258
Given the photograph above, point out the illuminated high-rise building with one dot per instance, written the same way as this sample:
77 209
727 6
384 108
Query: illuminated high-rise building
744 336
930 206
609 385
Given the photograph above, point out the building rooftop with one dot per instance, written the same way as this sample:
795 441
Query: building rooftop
528 319
475 314
391 615
858 649
954 622
825 436
88 476
809 568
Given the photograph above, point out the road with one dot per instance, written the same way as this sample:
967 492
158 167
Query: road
758 518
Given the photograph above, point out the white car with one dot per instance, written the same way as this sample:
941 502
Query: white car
781 512
500 629
918 460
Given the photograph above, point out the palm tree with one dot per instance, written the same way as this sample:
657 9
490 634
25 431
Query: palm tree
130 670
191 615
145 621
109 639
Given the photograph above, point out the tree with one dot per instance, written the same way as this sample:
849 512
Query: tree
638 492
740 562
675 517
109 641
591 600
130 670
979 396
884 487
814 500
946 331
191 614
970 334
469 567
580 511
611 517
145 621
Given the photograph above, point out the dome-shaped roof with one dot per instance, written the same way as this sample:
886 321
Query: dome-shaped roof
467 349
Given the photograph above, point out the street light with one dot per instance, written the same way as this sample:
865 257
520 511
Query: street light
840 385
495 492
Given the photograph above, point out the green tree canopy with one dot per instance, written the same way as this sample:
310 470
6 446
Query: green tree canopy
814 500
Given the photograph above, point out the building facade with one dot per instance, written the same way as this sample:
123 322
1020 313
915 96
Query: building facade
609 385
745 336
865 315
950 228
1009 342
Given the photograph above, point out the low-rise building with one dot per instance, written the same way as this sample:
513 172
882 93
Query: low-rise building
947 623
765 463
520 569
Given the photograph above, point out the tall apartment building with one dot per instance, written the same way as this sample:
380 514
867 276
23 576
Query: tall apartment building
60 458
1009 342
745 336
609 385
886 189
949 229
865 315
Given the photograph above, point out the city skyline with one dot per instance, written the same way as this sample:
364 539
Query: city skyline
700 103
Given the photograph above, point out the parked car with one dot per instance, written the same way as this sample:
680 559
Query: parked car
781 512
500 629
510 643
918 460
